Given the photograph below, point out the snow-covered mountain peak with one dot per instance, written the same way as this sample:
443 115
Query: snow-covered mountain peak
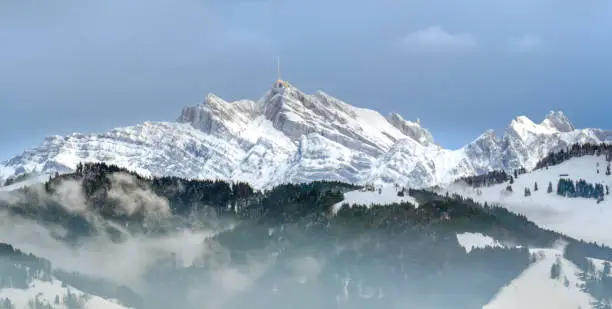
555 122
216 116
523 127
558 121
488 136
412 129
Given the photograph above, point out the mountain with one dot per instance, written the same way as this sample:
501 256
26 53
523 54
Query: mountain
291 137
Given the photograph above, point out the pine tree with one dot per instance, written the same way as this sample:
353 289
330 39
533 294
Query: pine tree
6 304
511 180
608 170
535 187
550 188
555 270
527 191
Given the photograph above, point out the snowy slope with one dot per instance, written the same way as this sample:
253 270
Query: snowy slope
27 182
469 241
576 217
290 136
384 195
46 293
535 288
600 266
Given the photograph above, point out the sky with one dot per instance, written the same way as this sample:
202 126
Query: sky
461 67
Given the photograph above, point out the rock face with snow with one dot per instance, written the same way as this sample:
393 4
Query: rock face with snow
290 136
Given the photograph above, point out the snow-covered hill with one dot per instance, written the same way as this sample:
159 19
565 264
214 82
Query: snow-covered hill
535 288
580 218
55 295
290 136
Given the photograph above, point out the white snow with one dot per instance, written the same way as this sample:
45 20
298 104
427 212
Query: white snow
27 182
261 127
528 129
388 195
576 217
46 293
469 241
535 289
599 265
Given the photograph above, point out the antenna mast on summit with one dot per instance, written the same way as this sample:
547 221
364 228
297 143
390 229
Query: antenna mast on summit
278 75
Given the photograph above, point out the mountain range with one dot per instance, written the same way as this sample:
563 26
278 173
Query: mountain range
288 136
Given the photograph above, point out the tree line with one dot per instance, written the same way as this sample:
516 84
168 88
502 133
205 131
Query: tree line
575 151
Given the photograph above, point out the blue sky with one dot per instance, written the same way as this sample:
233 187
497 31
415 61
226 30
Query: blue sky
460 66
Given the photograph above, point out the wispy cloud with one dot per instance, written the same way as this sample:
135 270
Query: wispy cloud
437 39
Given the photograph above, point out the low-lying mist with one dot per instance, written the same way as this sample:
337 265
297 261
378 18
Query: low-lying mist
129 260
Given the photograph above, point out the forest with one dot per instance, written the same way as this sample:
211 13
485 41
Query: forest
576 151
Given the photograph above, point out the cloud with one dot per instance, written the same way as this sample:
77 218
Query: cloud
436 39
526 43
125 263
306 268
69 194
132 198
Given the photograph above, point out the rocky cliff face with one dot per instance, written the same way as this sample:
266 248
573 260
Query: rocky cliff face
290 136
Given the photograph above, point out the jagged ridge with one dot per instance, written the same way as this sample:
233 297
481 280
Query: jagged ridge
289 136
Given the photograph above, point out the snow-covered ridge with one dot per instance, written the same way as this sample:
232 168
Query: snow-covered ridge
290 136
581 218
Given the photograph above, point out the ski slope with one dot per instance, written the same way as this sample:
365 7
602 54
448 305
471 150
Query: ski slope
576 217
535 288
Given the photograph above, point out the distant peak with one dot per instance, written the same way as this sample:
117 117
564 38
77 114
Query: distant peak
524 120
488 134
488 137
412 129
558 121
397 117
212 98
